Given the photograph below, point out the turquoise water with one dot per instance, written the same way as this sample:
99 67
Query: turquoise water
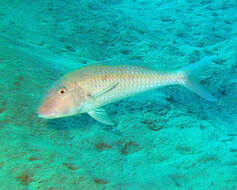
165 139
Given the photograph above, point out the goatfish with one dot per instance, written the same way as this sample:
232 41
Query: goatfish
88 89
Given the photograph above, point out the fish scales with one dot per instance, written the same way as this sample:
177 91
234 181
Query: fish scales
88 89
131 80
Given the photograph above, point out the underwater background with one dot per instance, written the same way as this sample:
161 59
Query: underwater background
164 139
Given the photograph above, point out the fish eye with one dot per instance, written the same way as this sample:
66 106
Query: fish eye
62 91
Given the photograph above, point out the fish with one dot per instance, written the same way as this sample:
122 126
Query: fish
89 88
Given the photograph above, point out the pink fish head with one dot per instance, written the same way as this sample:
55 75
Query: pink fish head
64 99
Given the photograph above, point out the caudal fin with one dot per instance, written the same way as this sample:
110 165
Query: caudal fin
189 74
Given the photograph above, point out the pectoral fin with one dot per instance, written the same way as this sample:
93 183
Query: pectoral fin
105 90
100 115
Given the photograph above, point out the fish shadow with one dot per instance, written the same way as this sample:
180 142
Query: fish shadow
82 122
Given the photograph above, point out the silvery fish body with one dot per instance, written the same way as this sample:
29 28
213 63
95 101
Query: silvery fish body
106 84
88 89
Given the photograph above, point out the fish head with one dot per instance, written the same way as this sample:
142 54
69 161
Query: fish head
64 99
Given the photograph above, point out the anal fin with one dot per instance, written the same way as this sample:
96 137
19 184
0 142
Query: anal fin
100 115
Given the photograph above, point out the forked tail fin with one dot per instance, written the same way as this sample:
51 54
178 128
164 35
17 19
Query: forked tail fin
189 74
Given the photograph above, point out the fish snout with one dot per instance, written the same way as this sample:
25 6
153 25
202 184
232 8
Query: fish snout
43 112
46 112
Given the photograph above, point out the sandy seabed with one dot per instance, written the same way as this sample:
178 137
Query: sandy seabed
166 139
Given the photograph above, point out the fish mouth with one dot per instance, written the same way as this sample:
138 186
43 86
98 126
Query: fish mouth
54 115
48 116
